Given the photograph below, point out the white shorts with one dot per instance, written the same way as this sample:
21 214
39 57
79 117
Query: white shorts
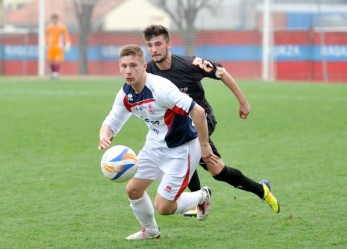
173 166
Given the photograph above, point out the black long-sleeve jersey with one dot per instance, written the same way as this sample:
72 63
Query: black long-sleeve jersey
186 73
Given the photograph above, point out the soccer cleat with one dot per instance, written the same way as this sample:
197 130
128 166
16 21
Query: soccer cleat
203 209
269 197
144 234
191 213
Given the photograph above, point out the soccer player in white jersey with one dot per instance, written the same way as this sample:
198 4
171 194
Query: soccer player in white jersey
173 144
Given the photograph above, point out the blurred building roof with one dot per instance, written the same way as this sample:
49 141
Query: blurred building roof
14 4
28 15
107 14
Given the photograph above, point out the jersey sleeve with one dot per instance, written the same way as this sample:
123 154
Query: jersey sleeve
172 98
118 115
208 68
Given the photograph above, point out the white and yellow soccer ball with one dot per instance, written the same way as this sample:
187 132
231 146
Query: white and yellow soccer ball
119 163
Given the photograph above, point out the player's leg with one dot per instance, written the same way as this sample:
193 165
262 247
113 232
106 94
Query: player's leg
170 197
194 185
58 58
50 59
233 176
236 178
142 208
185 202
140 202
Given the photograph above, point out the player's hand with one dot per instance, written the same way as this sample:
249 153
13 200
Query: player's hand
244 109
105 142
208 156
68 47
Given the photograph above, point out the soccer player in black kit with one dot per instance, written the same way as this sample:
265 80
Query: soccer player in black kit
186 72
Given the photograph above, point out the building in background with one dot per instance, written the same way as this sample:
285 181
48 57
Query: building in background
124 15
15 4
146 13
108 15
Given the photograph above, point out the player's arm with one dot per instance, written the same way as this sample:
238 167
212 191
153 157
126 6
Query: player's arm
114 121
215 70
199 119
67 39
111 126
106 136
244 106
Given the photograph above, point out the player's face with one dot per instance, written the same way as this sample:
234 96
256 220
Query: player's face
158 48
132 68
55 20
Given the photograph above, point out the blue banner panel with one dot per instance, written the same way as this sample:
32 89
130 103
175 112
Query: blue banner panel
232 53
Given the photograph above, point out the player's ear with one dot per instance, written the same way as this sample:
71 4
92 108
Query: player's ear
145 66
169 44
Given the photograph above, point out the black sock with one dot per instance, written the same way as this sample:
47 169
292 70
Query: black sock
235 178
194 184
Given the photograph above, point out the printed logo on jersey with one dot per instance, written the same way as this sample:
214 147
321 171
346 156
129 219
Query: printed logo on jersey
168 189
130 97
203 64
184 89
150 108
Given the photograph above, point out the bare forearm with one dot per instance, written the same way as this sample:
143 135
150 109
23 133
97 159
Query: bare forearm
106 136
199 119
244 107
200 123
232 85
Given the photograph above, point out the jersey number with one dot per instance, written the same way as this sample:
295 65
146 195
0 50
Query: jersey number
204 65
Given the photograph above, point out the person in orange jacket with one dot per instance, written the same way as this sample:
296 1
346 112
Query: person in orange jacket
57 40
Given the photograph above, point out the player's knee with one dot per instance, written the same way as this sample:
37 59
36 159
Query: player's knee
164 211
133 193
215 169
164 208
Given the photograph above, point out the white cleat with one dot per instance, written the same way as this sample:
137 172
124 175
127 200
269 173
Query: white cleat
203 209
144 234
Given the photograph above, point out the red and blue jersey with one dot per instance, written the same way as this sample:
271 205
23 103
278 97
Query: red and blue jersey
161 106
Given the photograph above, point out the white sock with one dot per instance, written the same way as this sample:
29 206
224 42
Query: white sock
188 200
144 212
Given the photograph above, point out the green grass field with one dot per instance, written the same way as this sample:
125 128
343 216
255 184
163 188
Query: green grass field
53 194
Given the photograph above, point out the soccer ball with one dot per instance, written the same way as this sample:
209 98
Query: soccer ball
119 163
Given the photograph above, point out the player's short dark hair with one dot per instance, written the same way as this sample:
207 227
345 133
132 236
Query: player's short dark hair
133 50
156 30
